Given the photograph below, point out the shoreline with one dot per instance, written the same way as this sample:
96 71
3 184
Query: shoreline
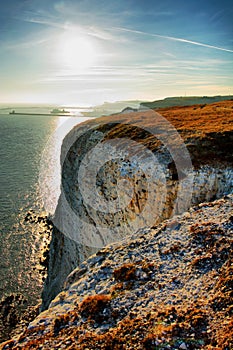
206 132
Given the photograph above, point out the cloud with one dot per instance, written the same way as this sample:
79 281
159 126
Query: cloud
102 34
27 44
44 22
172 38
41 18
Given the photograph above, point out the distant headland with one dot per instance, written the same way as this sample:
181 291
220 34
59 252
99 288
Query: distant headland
184 101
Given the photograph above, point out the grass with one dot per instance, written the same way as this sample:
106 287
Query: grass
207 130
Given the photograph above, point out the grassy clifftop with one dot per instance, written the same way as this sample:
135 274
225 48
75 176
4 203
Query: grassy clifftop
184 101
206 129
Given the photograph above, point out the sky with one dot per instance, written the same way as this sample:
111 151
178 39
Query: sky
85 52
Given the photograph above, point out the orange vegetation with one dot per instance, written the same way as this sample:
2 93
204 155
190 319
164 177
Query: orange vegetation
207 130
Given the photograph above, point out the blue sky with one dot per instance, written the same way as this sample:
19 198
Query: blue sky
87 52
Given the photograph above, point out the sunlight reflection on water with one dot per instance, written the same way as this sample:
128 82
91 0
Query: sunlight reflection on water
50 168
23 139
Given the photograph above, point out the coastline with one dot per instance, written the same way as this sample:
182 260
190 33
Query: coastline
201 140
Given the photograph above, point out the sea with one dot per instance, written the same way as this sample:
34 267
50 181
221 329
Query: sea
30 145
29 157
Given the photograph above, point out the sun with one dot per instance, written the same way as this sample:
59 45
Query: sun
77 51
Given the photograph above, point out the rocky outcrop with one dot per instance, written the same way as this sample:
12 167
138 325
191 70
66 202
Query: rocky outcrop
166 287
129 171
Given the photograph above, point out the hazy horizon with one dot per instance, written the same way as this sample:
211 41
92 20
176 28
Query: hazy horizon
6 105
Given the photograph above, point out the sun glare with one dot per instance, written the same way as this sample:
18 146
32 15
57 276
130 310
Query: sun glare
77 51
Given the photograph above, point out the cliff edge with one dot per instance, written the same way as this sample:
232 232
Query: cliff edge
148 183
156 165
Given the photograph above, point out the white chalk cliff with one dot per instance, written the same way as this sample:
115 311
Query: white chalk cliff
102 169
141 249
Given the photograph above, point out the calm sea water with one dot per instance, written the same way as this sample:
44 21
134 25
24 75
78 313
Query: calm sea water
23 139
29 157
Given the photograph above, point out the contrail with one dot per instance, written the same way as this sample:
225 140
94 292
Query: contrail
173 39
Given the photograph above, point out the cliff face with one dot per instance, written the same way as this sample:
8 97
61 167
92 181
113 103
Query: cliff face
125 172
167 281
167 287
